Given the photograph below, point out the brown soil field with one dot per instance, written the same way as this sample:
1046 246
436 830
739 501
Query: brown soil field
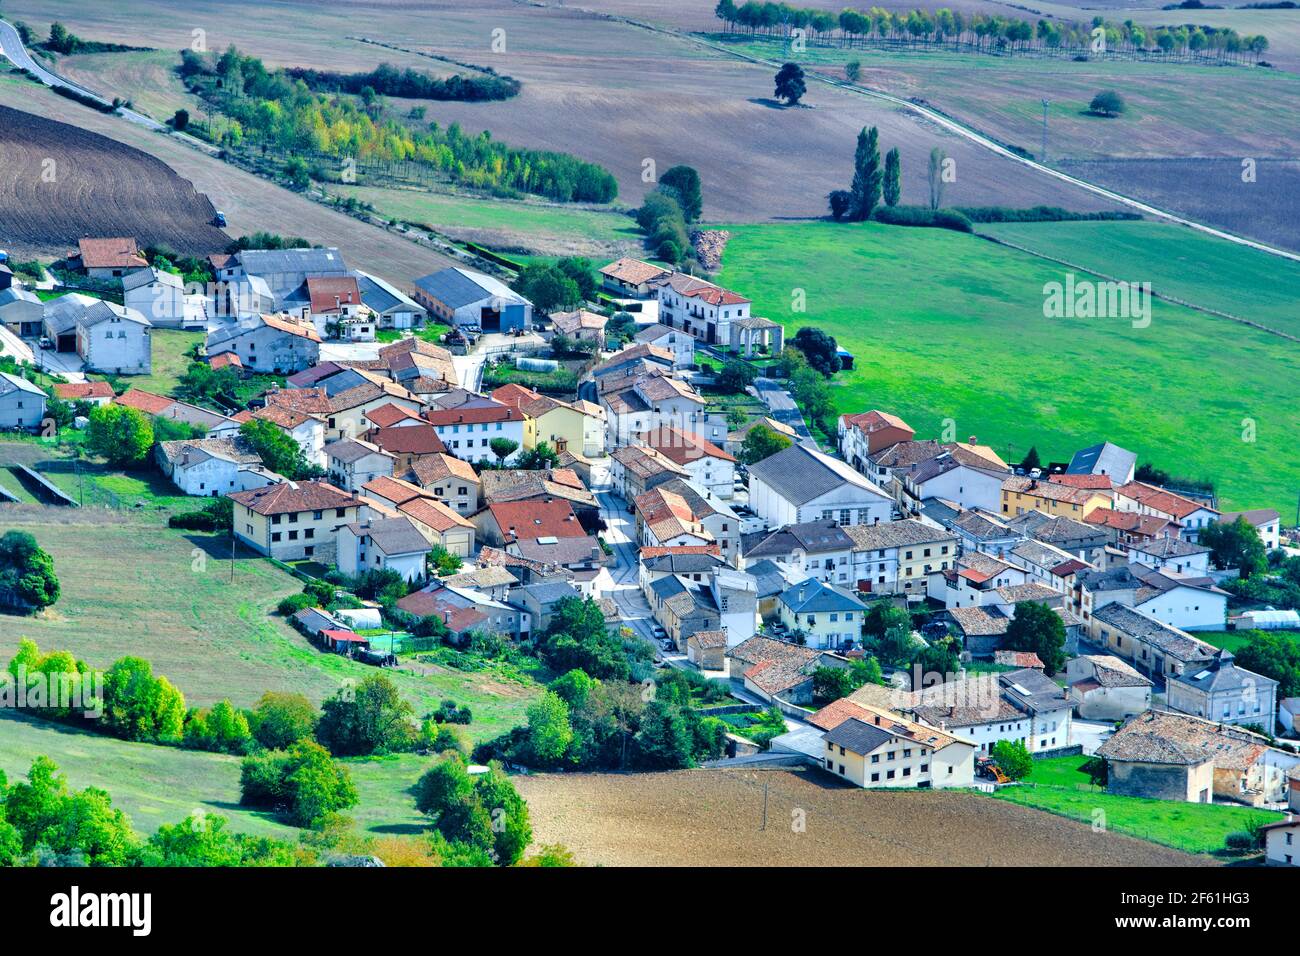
59 183
714 817
602 89
249 202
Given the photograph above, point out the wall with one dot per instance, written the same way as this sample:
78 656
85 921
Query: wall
1161 781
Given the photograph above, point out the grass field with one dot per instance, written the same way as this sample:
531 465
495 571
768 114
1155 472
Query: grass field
1177 261
1058 786
169 361
130 587
948 327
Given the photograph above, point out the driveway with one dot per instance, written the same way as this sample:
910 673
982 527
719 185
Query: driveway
782 406
1090 733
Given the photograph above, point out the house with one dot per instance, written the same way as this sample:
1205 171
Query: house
159 406
22 312
873 747
1047 564
344 410
631 277
863 435
307 430
293 520
161 298
980 530
736 439
1125 528
563 425
800 484
468 430
973 581
1021 494
636 469
819 549
691 562
451 480
707 466
1020 706
213 466
983 627
333 305
418 366
1103 687
1085 541
714 315
463 297
1288 713
1282 842
382 544
886 467
281 271
439 524
827 616
952 476
495 582
407 443
394 308
629 362
351 462
664 519
1153 647
107 258
707 650
1105 459
581 325
268 343
1169 756
1266 521
655 400
1190 515
93 393
115 340
540 600
898 557
713 515
547 532
681 344
1182 601
544 484
1222 691
725 600
465 611
22 404
776 670
1171 554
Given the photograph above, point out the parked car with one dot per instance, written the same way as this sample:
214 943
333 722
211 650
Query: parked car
219 220
46 343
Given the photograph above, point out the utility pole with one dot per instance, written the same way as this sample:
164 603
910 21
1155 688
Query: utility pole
1046 103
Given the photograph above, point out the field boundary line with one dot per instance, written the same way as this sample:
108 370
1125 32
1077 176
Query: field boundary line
952 125
1163 296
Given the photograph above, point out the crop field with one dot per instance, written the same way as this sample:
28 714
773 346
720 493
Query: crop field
607 91
145 78
715 817
59 182
1177 261
946 326
133 588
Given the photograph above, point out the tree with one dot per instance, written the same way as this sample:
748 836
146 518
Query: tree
790 84
883 616
282 719
549 731
1235 545
181 120
371 718
27 577
503 448
1036 627
938 162
65 828
140 706
303 783
893 177
821 350
548 288
832 683
853 70
443 561
582 272
736 376
120 435
897 646
684 182
541 455
665 741
1107 103
1013 759
840 202
480 820
278 450
1032 460
762 442
1276 656
865 190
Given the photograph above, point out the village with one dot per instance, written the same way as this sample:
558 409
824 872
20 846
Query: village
915 611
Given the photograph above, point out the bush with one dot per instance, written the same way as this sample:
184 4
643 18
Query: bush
922 216
1040 214
1239 841
303 783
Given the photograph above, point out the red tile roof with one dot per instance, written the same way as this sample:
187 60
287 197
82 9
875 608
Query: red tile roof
683 446
116 253
329 293
289 497
385 416
407 440
1161 500
528 520
75 391
146 402
225 359
432 512
473 415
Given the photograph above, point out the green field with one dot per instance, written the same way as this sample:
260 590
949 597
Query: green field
130 587
169 361
949 328
1177 261
1058 787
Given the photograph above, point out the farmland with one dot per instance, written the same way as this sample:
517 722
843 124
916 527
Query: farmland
169 597
59 182
946 326
714 817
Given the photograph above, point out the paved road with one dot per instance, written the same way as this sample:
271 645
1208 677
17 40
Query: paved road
619 534
782 406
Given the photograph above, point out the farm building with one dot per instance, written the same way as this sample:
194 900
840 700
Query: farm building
107 258
1103 687
293 520
22 404
463 297
61 315
283 270
582 325
395 309
21 312
1269 620
96 393
632 277
161 298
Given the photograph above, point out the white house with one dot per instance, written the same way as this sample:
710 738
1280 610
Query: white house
1103 687
283 271
863 435
872 747
467 430
801 484
268 343
395 309
681 344
161 298
1266 521
1021 706
304 428
22 404
213 466
1171 554
1282 842
1224 692
115 339
945 476
708 466
1141 498
21 312
353 462
394 544
651 401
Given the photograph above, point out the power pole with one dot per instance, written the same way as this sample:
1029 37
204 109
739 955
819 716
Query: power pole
1046 103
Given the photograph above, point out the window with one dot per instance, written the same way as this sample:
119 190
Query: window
309 533
316 515
275 519
889 775
275 536
875 778
338 512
